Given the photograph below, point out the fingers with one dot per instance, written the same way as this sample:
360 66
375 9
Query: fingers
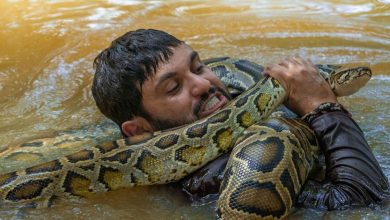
278 72
288 62
291 61
305 88
282 70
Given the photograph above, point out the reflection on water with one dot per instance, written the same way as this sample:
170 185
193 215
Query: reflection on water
47 49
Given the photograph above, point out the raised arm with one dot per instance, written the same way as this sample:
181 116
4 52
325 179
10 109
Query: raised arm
353 176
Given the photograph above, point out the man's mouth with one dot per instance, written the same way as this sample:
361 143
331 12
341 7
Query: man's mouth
214 103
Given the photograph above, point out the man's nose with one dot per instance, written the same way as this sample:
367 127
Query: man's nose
200 85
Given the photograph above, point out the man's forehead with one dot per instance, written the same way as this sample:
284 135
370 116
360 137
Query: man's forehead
183 54
182 51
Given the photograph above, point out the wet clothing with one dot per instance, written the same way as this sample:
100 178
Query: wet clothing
352 177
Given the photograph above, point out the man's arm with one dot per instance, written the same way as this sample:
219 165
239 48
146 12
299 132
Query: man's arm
353 176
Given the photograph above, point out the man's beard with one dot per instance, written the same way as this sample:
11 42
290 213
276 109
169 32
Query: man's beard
164 124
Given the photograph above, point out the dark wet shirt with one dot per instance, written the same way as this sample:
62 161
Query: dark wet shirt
353 176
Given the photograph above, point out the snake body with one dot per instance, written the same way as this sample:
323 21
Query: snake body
286 147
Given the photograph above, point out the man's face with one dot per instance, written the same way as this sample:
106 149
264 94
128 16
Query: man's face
182 91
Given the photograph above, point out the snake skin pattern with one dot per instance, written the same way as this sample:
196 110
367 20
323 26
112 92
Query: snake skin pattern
270 161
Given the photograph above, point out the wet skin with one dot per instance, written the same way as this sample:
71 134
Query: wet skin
182 91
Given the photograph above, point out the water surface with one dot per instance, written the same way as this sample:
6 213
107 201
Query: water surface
47 49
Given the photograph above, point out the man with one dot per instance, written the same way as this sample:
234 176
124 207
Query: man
148 80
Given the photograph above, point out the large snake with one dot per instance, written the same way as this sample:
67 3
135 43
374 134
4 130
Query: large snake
270 161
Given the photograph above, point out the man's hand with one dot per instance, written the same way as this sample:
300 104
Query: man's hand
304 86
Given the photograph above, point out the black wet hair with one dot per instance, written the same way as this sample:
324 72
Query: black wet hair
122 68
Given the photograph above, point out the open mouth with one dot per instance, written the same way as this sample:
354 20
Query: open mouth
212 104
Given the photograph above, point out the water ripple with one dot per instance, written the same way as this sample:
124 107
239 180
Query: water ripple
349 36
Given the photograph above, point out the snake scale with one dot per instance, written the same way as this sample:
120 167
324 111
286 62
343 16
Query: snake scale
270 161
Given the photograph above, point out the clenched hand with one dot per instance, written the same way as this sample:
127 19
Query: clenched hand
304 86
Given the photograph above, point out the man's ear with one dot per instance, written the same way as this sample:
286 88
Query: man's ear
136 126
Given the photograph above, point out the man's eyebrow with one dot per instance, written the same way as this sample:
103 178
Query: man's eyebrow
164 77
169 75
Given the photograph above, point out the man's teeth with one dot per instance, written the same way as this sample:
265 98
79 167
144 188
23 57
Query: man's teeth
211 103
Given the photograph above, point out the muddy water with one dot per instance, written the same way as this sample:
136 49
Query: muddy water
47 49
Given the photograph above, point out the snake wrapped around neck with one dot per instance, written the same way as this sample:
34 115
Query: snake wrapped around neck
286 151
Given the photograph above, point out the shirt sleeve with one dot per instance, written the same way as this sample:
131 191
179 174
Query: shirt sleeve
207 180
353 176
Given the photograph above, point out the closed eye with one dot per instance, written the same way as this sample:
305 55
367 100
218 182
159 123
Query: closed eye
174 88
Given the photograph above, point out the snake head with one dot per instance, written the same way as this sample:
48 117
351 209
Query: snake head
346 81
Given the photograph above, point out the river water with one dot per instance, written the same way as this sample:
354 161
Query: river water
47 49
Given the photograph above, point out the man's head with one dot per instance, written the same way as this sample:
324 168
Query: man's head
148 80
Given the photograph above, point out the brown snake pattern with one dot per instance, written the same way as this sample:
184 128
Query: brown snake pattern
271 157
